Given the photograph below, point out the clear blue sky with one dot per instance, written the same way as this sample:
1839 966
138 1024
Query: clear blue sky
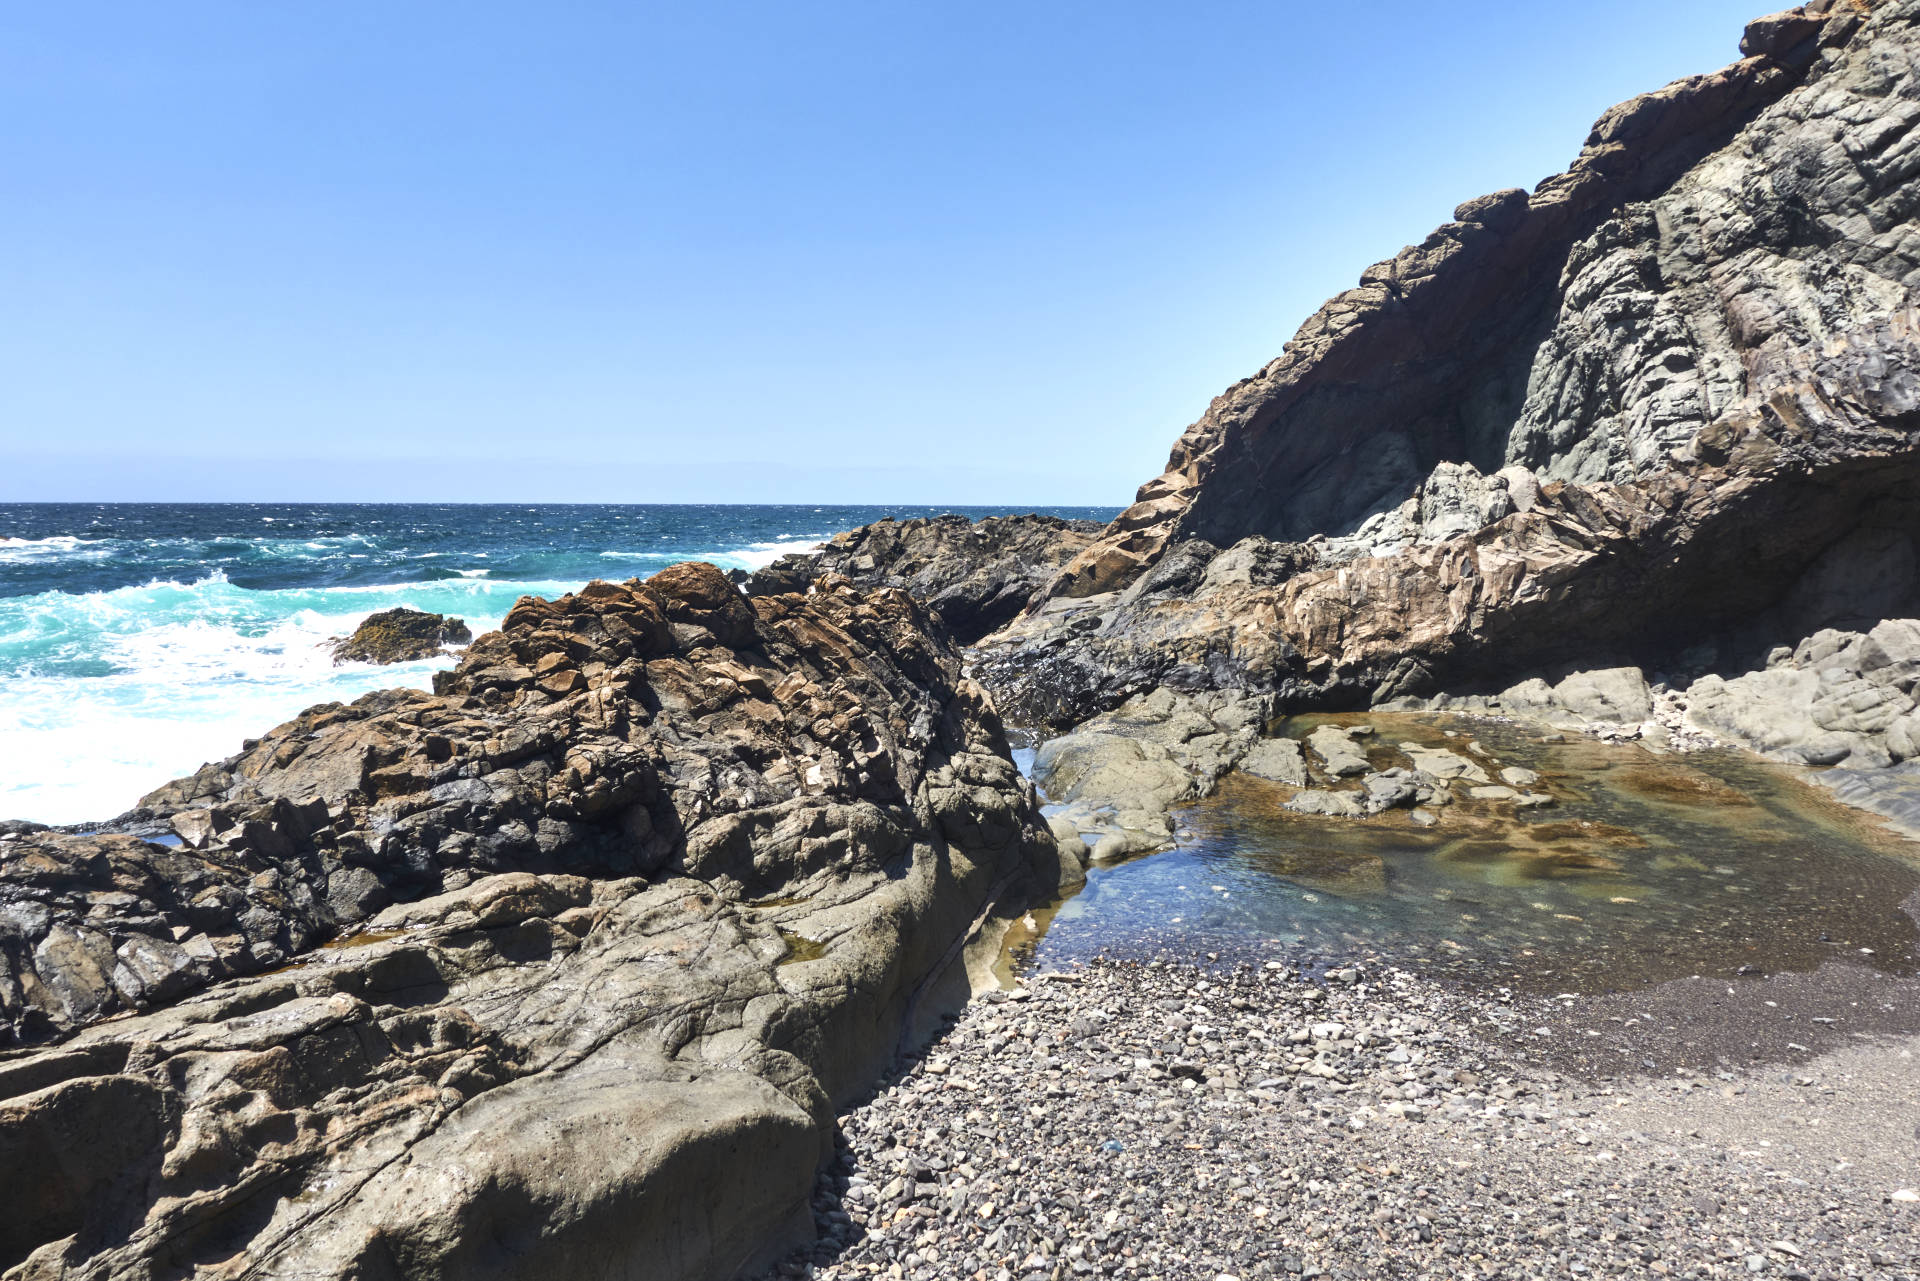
933 252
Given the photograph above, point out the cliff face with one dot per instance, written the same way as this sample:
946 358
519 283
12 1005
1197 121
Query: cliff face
558 971
971 576
1669 392
1711 246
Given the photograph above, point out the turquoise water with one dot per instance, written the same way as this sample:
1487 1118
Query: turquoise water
138 641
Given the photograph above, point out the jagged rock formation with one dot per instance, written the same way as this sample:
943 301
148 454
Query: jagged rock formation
654 879
1835 698
974 576
401 635
1671 392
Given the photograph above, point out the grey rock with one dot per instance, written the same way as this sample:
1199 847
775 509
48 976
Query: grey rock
1443 764
1614 694
1343 804
1334 745
1278 759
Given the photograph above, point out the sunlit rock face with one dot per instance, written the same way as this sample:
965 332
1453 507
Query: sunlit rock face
1626 410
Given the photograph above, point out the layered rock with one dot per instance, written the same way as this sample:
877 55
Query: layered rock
401 635
1670 394
654 879
973 576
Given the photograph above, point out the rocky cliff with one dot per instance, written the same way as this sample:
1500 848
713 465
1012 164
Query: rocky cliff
973 576
558 971
1668 397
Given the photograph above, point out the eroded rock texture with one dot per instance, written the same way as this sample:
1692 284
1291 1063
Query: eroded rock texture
616 916
401 635
1662 393
974 576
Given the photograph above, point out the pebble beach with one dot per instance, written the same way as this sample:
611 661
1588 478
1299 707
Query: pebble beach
1192 1119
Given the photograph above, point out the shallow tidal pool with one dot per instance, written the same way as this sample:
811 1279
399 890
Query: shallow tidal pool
1646 868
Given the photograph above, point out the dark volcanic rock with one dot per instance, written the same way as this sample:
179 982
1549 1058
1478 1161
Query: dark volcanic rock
1650 401
400 636
973 576
655 878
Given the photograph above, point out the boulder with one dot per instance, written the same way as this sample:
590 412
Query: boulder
1277 759
401 635
1339 757
1332 804
1617 695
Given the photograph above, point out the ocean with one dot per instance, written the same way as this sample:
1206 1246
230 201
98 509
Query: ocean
138 641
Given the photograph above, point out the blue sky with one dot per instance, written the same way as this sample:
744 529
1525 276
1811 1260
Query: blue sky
908 252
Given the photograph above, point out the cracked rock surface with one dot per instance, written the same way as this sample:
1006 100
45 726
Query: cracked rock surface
560 970
1669 391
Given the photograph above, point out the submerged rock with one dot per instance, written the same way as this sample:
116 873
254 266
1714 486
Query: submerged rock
401 635
670 874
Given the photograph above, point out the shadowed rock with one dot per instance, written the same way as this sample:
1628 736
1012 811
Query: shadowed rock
1668 392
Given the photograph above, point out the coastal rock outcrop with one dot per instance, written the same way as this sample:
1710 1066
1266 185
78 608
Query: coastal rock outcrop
401 635
559 970
973 575
1670 395
1116 777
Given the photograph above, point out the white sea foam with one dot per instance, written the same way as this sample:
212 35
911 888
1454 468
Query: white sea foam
761 555
104 696
20 551
752 556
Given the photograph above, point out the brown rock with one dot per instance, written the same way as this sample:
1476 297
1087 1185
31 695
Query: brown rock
401 635
573 1040
973 576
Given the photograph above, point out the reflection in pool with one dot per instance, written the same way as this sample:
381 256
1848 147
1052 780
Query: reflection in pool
1647 868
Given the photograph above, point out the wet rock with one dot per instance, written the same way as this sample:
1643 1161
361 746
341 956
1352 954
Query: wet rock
1119 773
1443 764
401 635
1343 804
1277 759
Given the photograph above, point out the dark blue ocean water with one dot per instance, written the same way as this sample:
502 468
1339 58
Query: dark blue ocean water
139 640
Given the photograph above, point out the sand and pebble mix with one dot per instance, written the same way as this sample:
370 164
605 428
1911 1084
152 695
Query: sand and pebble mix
1211 1120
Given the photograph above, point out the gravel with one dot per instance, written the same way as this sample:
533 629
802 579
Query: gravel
1186 1120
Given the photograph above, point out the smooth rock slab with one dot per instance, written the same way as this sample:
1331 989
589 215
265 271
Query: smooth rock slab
1334 745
